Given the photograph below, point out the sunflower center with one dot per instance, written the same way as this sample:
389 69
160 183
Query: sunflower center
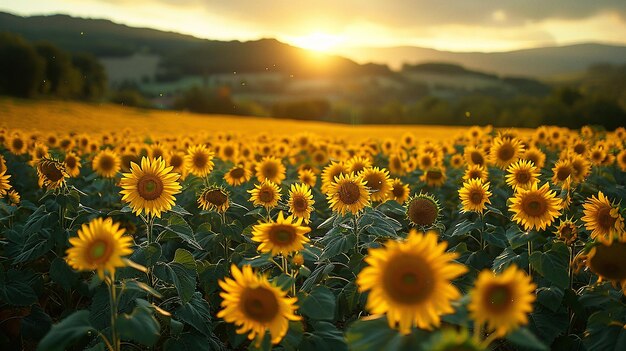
476 197
229 151
474 174
215 197
605 219
319 157
426 162
259 304
357 167
300 204
349 193
423 212
398 190
200 160
269 170
522 176
176 161
266 195
150 187
51 172
580 149
506 152
374 182
477 158
237 173
609 261
99 251
408 279
106 163
156 153
434 175
397 163
70 162
65 143
282 234
18 144
563 172
534 205
498 298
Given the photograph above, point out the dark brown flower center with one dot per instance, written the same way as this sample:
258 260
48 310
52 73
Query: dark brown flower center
200 159
176 161
259 304
70 162
534 205
476 197
215 197
300 204
477 158
434 175
51 171
269 170
17 144
282 234
349 193
150 187
266 195
237 173
106 163
398 190
522 176
580 149
374 182
498 298
506 152
605 220
408 279
423 211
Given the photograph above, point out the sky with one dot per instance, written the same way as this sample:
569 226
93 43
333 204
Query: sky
327 25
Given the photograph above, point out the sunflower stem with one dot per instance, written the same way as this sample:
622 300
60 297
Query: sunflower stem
115 341
355 220
530 251
571 285
491 338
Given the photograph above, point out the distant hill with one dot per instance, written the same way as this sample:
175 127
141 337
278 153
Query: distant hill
539 62
180 54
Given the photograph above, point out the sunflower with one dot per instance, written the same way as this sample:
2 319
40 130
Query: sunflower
51 173
535 208
476 171
255 305
397 165
237 175
126 159
106 163
505 151
608 261
474 156
597 155
581 167
4 183
266 194
427 160
602 218
307 176
150 188
72 164
536 156
621 160
99 246
270 168
562 173
229 151
283 237
456 161
3 164
17 144
301 202
357 164
378 182
13 197
567 231
157 150
198 160
399 191
522 175
410 281
474 195
502 301
176 159
408 140
423 210
39 151
334 169
348 194
214 199
434 176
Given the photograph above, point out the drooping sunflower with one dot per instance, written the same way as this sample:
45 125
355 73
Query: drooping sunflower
150 188
474 156
106 163
562 173
505 151
4 183
522 174
334 169
475 195
378 182
434 176
237 175
72 164
301 201
535 208
266 194
621 160
14 197
602 218
307 176
502 301
99 246
476 171
214 199
423 210
283 237
255 305
400 191
410 281
3 164
270 168
567 231
39 151
51 173
608 261
198 160
348 193
536 156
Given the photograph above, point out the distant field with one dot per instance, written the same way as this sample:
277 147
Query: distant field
93 118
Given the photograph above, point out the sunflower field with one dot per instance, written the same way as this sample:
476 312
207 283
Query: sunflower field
485 240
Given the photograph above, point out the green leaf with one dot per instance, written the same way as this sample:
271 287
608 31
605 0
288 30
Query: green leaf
553 264
509 257
604 332
191 342
178 227
550 298
140 286
186 259
319 304
522 337
337 244
36 324
181 272
15 288
68 331
63 274
375 334
139 326
196 313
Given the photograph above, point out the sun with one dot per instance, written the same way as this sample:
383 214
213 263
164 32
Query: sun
321 42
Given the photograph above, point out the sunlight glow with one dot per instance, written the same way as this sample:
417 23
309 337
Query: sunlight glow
317 41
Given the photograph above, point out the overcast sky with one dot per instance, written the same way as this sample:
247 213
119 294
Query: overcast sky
459 25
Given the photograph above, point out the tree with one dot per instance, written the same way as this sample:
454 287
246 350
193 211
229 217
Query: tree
61 78
94 79
21 69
